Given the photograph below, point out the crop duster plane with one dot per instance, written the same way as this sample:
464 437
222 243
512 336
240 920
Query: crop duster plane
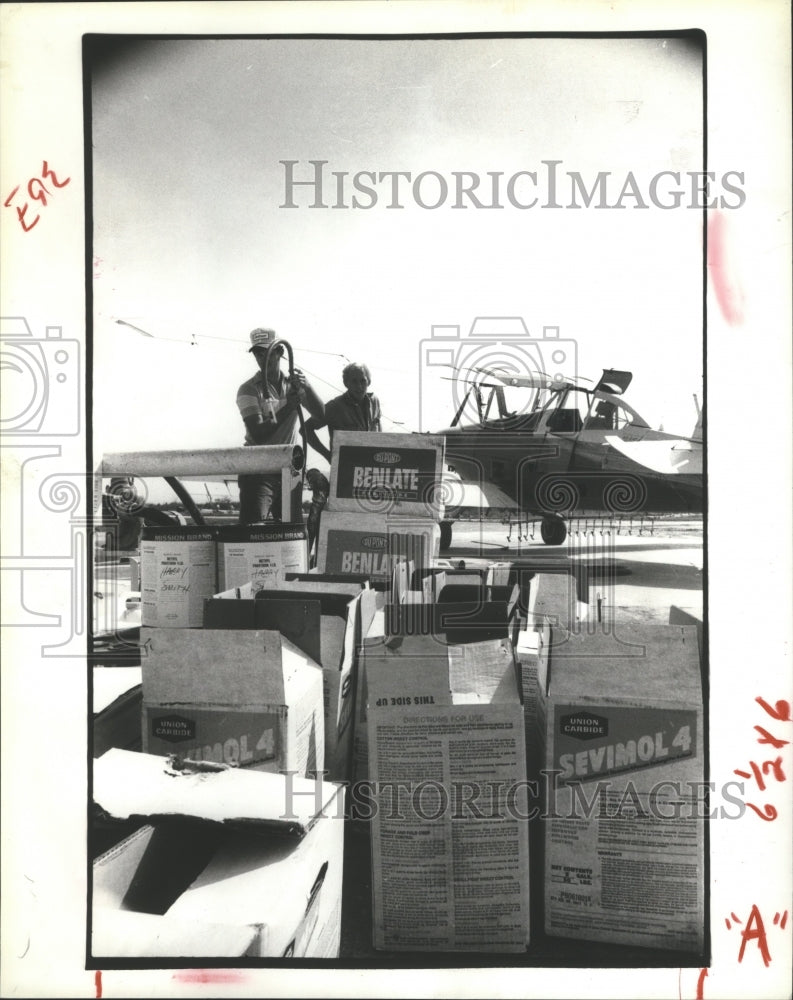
564 450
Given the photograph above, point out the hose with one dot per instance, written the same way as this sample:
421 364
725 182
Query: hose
291 361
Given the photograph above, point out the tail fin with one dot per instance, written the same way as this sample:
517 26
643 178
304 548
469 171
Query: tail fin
696 434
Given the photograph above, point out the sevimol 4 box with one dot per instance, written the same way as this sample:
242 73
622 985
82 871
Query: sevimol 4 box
247 697
382 473
620 719
372 544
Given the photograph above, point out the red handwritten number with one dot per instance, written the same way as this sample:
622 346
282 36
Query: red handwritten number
38 194
768 738
701 984
774 765
38 191
768 813
98 984
755 931
780 712
46 172
21 216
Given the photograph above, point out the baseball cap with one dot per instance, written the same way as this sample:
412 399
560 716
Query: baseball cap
262 338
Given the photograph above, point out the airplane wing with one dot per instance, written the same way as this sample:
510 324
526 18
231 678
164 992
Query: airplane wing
672 457
482 495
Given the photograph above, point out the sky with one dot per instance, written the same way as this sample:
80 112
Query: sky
192 244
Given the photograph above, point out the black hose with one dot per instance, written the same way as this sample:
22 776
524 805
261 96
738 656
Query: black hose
186 499
291 360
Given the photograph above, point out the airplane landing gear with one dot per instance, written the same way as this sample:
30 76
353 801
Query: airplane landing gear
553 529
446 535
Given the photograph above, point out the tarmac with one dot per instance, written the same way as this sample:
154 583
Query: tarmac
638 571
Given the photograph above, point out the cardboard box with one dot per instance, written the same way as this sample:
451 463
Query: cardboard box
386 473
621 720
370 544
374 634
245 697
178 571
324 619
450 864
554 600
527 654
346 578
232 863
339 629
459 621
261 555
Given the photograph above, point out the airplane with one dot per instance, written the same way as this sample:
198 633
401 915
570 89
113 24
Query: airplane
564 450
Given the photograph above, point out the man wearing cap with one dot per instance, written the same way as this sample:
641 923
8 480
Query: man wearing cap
357 409
275 421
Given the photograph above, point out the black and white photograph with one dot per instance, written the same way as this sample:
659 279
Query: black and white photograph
382 505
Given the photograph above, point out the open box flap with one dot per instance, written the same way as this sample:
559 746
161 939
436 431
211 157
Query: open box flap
484 672
330 603
327 583
336 628
130 784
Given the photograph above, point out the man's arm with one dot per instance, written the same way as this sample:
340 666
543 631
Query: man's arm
261 428
308 397
375 404
312 425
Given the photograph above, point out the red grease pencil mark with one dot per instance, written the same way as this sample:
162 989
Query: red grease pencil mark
701 983
723 272
209 976
98 984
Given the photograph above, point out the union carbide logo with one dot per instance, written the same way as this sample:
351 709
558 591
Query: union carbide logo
387 457
583 726
173 728
374 542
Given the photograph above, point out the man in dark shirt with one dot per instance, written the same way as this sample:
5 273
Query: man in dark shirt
357 409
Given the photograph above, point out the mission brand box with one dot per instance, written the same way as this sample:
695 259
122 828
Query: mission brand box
178 571
387 473
371 544
450 852
260 555
230 863
245 697
620 718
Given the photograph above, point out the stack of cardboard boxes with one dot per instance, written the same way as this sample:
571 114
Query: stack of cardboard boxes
385 504
241 692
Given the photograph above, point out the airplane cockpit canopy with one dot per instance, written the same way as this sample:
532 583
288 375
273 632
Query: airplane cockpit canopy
578 409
